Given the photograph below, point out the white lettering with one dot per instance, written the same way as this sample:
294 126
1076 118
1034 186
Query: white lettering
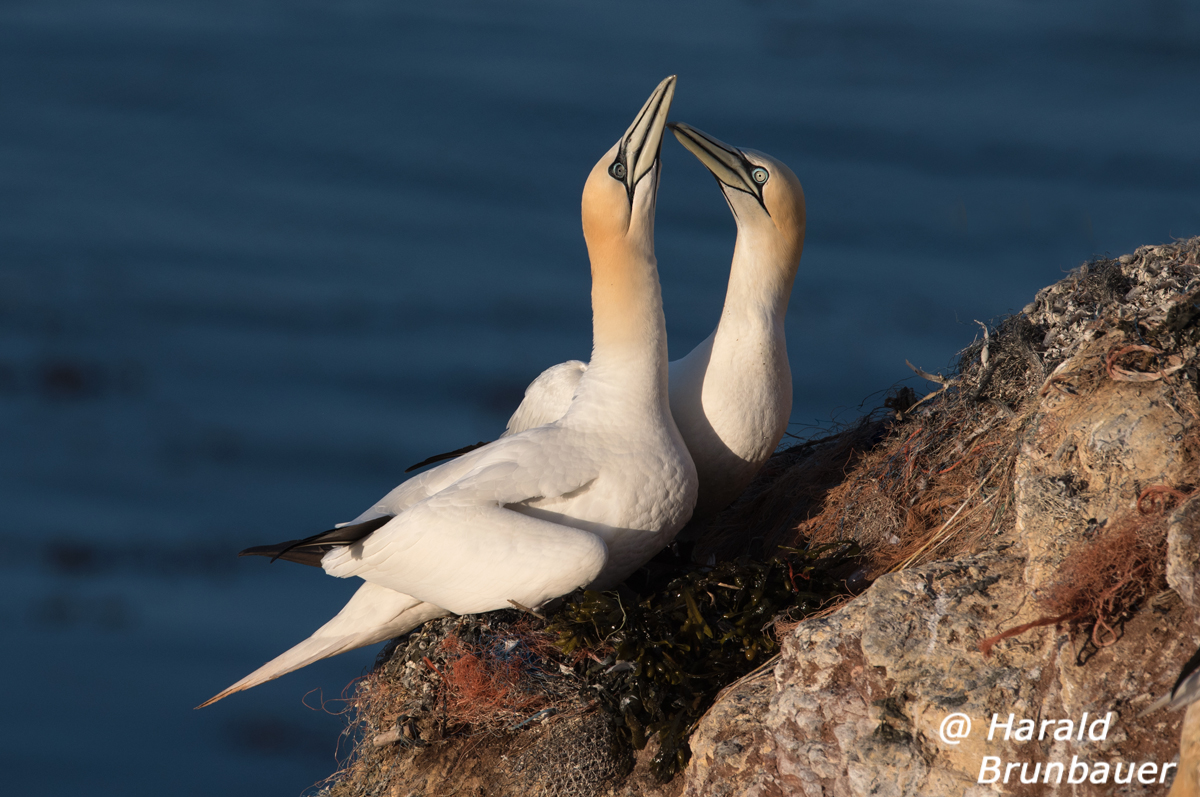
1065 729
1103 732
1162 778
1148 768
1082 723
1036 771
996 726
1046 777
1077 764
1024 731
1008 770
991 764
1117 774
1100 772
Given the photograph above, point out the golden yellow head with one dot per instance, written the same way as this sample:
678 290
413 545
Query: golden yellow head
782 198
620 192
764 194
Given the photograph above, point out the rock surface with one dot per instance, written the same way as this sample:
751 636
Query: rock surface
858 697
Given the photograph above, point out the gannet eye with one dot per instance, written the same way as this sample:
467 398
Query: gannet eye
760 175
617 170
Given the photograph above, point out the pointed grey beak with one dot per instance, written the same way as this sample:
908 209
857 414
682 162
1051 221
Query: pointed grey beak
642 142
727 163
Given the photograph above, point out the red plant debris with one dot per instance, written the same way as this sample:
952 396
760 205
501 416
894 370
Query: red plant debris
1099 582
485 688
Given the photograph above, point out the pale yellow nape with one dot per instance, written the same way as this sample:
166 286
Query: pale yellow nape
784 198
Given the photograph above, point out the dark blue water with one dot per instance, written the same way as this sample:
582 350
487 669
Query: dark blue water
258 257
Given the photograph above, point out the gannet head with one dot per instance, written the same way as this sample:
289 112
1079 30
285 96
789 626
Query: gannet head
619 196
763 193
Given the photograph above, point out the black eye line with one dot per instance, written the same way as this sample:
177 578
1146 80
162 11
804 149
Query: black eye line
622 158
652 111
757 196
732 209
623 154
756 187
752 188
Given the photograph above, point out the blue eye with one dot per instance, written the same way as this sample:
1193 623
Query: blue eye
760 175
617 170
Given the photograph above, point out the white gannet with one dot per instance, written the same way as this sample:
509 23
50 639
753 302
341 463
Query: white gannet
582 501
731 396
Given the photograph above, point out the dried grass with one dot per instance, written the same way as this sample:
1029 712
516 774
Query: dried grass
940 480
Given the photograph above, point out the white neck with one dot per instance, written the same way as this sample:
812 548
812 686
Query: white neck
760 284
629 353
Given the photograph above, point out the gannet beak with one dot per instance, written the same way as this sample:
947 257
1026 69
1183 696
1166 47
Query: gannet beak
641 145
728 164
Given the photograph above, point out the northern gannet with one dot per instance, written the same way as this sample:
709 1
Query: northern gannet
582 501
731 396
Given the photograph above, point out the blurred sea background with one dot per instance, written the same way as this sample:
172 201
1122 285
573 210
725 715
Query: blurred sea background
257 257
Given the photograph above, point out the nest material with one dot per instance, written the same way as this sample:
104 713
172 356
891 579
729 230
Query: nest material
626 668
487 697
670 652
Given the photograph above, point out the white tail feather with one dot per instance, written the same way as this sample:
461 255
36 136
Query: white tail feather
373 614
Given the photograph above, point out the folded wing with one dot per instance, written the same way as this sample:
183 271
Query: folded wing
465 550
547 397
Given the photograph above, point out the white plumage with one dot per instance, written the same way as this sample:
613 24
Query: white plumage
584 500
547 397
731 396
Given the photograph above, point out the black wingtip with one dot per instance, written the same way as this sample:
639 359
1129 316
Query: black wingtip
273 551
290 553
310 550
458 452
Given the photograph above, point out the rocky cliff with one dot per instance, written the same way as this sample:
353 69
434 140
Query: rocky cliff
1027 540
